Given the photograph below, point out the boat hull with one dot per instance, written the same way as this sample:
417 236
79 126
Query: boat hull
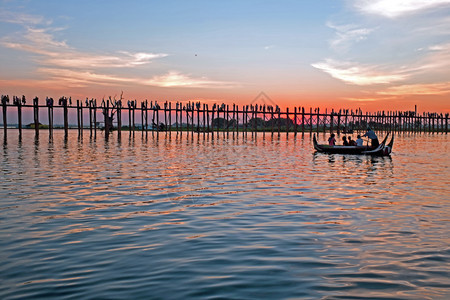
381 150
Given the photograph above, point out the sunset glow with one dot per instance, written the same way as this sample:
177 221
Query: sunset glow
333 54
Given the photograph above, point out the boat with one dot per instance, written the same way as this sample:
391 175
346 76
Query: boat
383 149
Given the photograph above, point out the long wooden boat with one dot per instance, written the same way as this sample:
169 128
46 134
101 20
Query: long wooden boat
382 150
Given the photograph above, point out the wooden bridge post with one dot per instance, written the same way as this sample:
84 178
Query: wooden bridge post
218 117
165 116
346 121
89 102
170 117
432 122
64 102
272 120
19 103
142 118
49 102
19 115
244 119
331 120
36 115
237 120
157 116
207 118
387 125
186 111
146 115
176 116
129 116
446 123
339 123
79 122
295 121
204 118
310 121
94 115
212 119
119 117
105 113
196 108
5 100
287 121
318 120
133 114
417 123
303 120
228 120
252 120
279 120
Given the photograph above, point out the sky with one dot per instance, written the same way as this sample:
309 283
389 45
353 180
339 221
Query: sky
368 54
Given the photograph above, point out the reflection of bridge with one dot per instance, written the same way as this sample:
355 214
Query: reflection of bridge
199 117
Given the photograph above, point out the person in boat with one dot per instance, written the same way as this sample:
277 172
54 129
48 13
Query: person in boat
344 141
332 140
359 141
373 137
351 142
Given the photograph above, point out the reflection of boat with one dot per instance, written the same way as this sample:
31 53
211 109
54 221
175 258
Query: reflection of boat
381 150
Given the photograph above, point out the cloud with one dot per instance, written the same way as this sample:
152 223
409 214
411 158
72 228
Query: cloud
367 99
79 60
418 89
437 60
359 74
396 8
346 35
176 79
83 78
58 54
23 19
66 66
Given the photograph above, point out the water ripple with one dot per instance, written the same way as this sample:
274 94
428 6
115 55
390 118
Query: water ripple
178 217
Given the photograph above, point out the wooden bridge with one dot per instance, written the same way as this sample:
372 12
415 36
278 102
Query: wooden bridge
199 117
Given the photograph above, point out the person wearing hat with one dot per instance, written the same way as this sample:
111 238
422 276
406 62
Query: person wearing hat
373 137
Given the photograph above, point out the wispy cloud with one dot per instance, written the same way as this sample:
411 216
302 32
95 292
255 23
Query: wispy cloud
396 8
67 66
436 61
346 35
22 18
177 79
56 53
359 74
83 78
367 99
418 89
425 72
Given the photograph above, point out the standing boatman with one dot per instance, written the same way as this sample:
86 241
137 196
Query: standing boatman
373 137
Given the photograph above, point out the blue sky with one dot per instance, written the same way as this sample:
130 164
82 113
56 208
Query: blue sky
353 53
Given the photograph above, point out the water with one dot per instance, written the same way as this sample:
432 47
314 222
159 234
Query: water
170 217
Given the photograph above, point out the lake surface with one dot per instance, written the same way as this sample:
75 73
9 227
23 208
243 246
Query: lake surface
196 217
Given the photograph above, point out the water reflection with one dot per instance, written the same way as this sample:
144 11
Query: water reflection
357 164
206 216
